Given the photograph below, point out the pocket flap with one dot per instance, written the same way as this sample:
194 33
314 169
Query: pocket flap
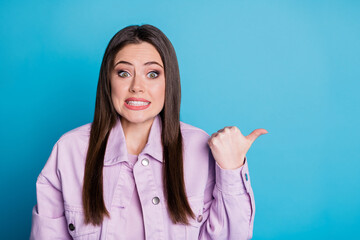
76 225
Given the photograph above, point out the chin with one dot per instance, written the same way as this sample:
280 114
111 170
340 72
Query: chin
137 119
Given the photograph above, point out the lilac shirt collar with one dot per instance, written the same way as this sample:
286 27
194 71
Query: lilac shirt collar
116 150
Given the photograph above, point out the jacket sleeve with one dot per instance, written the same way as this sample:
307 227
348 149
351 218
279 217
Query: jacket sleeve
48 219
229 209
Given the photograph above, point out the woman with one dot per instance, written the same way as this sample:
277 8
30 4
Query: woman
137 171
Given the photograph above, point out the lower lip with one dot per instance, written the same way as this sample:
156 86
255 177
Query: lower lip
131 107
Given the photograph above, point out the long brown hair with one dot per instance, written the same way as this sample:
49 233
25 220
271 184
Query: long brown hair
105 118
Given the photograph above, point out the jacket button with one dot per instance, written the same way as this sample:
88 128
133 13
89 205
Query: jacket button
199 218
155 200
246 176
145 162
71 227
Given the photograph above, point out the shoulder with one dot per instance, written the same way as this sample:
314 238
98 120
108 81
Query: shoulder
193 133
75 137
71 148
195 141
67 157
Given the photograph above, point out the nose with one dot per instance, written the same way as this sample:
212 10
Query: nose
136 85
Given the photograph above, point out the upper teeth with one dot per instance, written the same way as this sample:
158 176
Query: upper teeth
137 103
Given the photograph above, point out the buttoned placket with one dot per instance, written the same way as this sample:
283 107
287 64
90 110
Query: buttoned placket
150 198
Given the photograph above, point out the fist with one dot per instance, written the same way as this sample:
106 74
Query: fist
229 146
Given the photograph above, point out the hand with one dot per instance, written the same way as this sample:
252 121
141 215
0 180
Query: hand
229 146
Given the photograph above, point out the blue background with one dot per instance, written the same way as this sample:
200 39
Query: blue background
291 67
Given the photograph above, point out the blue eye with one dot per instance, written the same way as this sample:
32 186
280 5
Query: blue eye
123 74
153 74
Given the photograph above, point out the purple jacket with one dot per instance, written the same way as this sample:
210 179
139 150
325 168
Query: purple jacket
222 200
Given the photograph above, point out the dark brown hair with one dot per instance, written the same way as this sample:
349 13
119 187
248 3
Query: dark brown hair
105 118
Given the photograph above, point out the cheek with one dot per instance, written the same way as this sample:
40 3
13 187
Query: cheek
116 93
161 92
114 99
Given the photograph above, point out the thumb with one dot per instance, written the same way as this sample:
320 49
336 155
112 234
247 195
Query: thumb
255 134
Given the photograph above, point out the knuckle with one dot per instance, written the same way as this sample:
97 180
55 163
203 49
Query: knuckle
233 129
237 130
222 135
215 141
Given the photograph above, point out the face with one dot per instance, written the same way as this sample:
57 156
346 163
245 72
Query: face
138 83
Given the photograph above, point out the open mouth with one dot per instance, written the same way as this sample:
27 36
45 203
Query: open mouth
137 103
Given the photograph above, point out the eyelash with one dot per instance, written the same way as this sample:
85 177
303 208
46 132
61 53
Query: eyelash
156 72
122 71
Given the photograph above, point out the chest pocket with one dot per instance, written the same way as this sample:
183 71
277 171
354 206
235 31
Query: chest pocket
76 226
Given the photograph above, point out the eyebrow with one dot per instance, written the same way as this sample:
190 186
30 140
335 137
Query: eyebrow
147 63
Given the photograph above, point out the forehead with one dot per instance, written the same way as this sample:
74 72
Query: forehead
141 52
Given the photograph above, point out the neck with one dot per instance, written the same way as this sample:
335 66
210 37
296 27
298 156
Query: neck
136 135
